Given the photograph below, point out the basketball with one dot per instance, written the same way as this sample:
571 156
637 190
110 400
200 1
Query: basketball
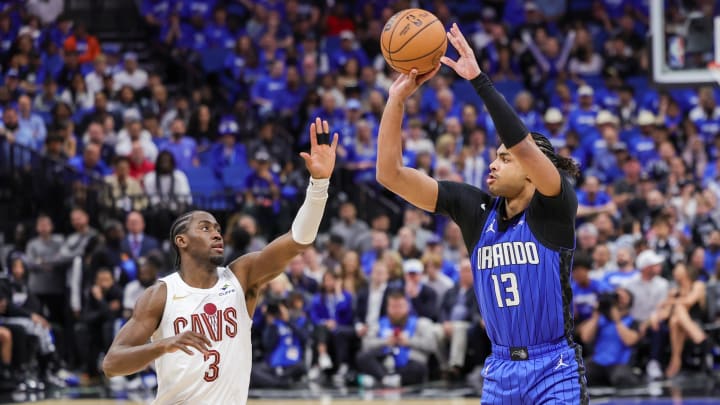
413 38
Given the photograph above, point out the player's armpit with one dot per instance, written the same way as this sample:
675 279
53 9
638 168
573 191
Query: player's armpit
130 351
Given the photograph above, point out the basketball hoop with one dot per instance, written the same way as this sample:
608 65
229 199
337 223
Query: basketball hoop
714 68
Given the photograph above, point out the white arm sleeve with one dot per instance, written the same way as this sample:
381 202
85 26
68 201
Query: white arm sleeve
307 221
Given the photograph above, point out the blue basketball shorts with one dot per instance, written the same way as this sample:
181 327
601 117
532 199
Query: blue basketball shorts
551 373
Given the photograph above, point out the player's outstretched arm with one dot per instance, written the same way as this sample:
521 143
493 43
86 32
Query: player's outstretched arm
130 352
511 130
414 186
255 269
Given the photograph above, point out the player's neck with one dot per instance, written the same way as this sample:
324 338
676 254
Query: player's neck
197 275
518 203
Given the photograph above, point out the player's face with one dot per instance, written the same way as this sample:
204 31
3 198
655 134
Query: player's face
507 178
205 240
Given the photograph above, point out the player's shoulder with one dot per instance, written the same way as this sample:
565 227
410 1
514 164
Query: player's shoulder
153 299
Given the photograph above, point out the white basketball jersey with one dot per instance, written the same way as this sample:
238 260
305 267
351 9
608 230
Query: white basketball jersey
223 375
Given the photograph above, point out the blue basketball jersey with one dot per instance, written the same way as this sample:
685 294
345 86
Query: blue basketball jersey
518 284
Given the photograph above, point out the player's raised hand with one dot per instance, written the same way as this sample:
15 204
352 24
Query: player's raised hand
320 162
466 66
406 84
185 341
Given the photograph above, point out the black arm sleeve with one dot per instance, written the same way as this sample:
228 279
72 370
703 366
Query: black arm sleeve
552 219
510 127
468 206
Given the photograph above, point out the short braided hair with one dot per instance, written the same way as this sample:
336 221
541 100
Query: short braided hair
178 227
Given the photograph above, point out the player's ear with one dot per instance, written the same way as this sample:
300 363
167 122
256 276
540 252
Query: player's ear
180 241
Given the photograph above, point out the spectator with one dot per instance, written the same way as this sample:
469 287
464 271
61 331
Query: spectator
138 243
458 312
149 267
139 164
614 333
433 276
134 132
47 278
299 280
89 165
349 226
94 330
262 192
227 151
593 200
86 45
395 351
182 147
626 271
423 299
582 119
74 244
96 134
167 187
14 132
686 307
32 122
125 193
706 116
94 79
77 94
331 311
284 340
405 244
653 289
585 289
371 301
131 74
351 275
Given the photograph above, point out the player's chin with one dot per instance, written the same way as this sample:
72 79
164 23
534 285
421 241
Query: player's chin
217 260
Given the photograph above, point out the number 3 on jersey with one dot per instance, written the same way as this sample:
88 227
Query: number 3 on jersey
509 281
213 369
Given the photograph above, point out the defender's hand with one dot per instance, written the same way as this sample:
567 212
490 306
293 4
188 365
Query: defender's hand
466 66
320 162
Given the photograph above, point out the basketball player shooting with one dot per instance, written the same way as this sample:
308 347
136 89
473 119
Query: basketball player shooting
198 319
520 237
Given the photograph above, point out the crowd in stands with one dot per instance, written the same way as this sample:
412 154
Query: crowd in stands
384 297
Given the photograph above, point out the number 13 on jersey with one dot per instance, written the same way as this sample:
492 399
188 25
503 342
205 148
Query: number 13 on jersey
508 281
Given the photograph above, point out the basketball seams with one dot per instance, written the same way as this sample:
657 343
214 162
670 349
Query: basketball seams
413 36
392 32
423 56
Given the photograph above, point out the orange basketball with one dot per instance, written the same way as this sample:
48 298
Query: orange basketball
413 38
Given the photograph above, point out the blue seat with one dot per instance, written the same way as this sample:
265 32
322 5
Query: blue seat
466 94
203 180
509 89
234 176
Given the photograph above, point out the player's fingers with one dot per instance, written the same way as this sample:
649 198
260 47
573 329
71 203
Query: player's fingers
313 135
334 142
184 349
447 61
305 156
413 74
204 339
199 345
326 127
